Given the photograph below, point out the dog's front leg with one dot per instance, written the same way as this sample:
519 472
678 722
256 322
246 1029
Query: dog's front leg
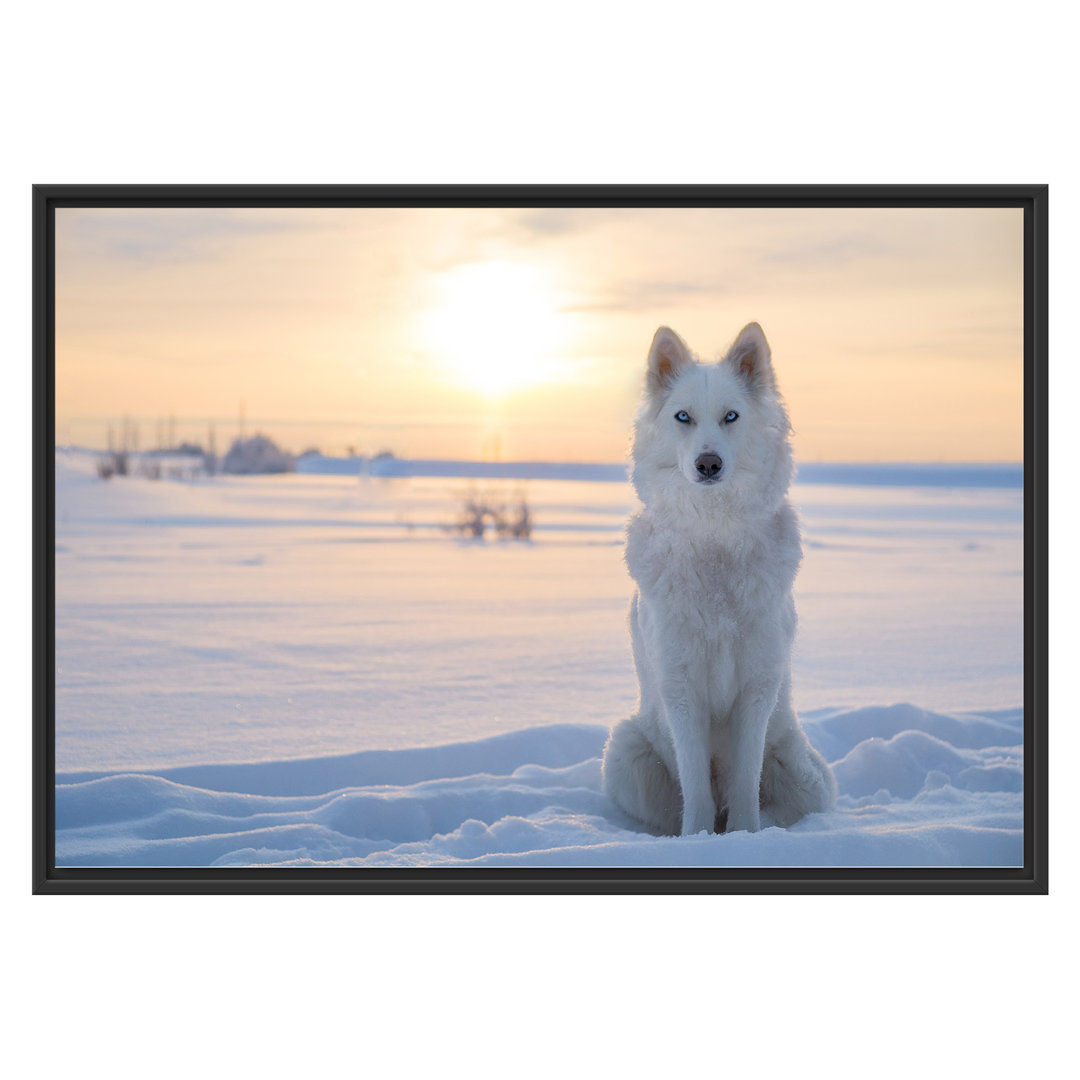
688 719
751 721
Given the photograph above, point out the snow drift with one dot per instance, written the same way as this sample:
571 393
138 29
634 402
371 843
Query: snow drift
908 797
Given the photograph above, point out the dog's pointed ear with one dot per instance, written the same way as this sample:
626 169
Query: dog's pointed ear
668 355
752 357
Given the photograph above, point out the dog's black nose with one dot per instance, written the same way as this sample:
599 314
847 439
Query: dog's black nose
708 466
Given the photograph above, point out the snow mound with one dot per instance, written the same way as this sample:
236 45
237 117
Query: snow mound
917 788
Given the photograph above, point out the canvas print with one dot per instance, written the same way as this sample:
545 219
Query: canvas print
539 537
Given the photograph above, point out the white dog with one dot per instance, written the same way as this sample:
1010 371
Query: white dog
715 743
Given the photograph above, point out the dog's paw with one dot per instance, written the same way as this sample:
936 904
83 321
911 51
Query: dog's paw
748 821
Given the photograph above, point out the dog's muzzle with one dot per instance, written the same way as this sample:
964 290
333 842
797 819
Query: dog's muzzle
708 467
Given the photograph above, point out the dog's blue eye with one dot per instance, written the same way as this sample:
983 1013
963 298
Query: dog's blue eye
731 417
682 416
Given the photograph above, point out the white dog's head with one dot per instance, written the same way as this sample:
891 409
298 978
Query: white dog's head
721 427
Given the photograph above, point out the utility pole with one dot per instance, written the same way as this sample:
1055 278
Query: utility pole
211 450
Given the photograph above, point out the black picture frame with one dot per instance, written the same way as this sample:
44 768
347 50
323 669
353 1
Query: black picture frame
1031 878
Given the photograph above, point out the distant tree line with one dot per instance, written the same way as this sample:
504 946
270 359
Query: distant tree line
247 456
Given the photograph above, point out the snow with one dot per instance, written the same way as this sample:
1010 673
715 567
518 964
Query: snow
309 670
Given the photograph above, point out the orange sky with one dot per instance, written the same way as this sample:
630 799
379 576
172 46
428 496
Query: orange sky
522 333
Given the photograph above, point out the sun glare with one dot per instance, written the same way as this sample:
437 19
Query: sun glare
495 327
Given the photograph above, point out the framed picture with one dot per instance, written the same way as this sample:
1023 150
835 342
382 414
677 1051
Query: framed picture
540 539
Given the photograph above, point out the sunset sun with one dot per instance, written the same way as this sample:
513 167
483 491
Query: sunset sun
495 327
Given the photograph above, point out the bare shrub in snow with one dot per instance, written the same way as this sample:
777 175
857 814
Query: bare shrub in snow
519 522
508 519
113 463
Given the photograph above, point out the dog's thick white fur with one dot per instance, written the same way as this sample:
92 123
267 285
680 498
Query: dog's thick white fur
715 744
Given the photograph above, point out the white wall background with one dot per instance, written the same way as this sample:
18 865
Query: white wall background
470 92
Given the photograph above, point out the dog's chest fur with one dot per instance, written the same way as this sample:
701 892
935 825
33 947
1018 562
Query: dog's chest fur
714 583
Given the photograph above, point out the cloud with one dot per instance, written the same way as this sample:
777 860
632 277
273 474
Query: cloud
831 251
168 235
643 294
563 221
552 221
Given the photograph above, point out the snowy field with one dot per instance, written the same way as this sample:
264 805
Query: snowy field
315 669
